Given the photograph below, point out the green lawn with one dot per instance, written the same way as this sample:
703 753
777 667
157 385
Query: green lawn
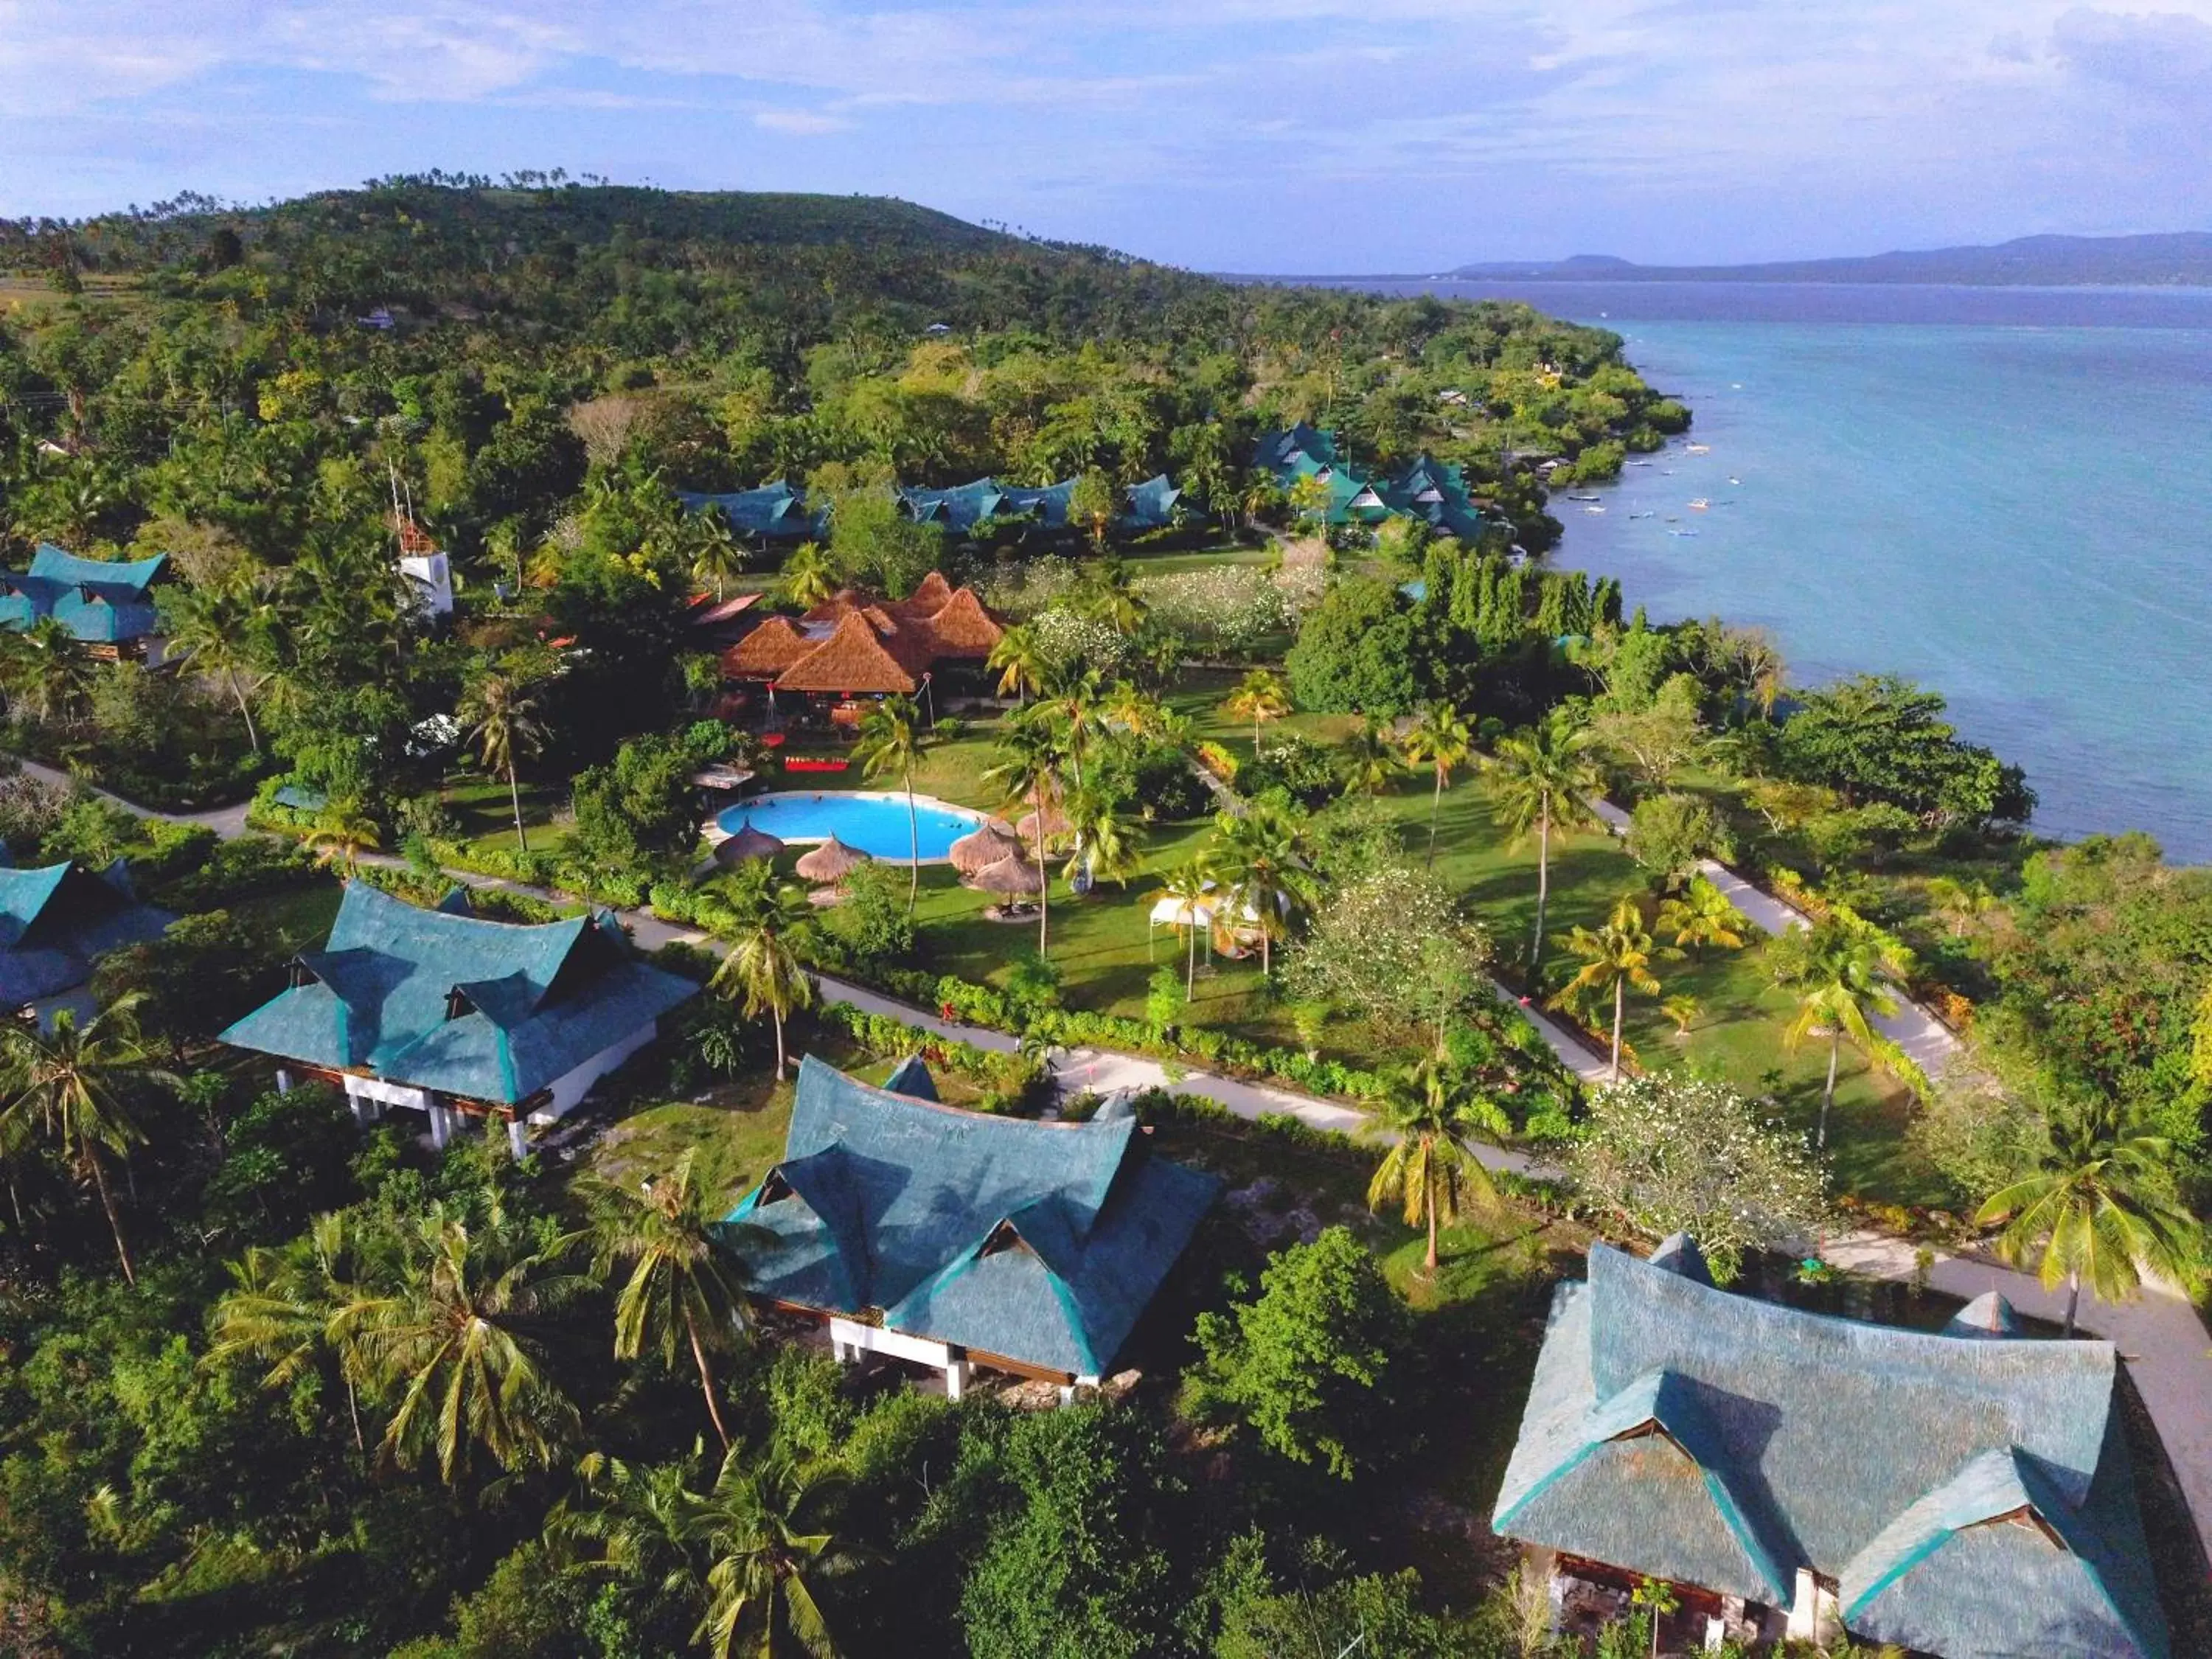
486 811
300 916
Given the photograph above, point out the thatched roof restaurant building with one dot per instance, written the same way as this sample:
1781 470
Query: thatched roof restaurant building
954 1239
1964 1493
456 1016
853 645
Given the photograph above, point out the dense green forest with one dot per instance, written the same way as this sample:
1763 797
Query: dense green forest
270 1384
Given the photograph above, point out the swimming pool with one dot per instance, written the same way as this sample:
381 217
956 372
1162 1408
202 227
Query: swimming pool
874 822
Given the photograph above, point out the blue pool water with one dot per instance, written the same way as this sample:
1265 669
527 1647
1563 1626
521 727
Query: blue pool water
2003 493
876 824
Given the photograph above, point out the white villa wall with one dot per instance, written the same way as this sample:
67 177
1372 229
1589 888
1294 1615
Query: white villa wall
571 1088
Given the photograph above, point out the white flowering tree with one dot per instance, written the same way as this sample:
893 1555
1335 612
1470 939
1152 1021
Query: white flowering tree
1391 945
1066 637
1224 607
1667 1154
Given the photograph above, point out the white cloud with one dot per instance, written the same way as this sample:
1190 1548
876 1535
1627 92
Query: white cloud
806 122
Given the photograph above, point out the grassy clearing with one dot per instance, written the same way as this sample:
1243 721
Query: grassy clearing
486 811
301 917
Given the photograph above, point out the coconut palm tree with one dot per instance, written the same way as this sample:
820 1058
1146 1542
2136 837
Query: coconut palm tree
342 834
889 744
1029 772
500 710
1541 780
1616 957
292 1307
759 1532
223 630
1962 903
1371 758
73 1089
46 670
1440 740
458 1343
1102 849
2101 1208
1427 1113
1075 701
1684 1012
1268 880
806 579
1845 975
1190 884
1700 915
1130 709
763 918
682 1284
1260 695
1105 593
1018 661
716 558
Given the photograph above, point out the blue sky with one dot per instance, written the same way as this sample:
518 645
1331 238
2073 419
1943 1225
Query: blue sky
1308 136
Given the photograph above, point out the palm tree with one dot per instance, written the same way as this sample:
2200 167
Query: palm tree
890 743
72 1088
1018 661
46 670
1075 703
1103 851
1190 884
1844 972
1267 876
1260 695
500 711
1439 739
1962 903
457 1341
1028 772
1428 1112
1700 915
342 833
807 578
1541 780
2100 1209
1106 595
758 1530
288 1308
716 558
1371 758
764 919
1684 1012
683 1285
1615 957
223 630
1128 708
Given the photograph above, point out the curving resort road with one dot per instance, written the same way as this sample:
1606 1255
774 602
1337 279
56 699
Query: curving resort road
2161 1335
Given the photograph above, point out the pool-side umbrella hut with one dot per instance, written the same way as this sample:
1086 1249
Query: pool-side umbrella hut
1048 820
831 862
1014 877
746 844
983 847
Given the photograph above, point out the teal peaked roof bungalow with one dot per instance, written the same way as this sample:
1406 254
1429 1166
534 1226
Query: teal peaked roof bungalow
774 511
455 1016
55 921
1147 506
954 1238
1966 1493
1425 488
105 603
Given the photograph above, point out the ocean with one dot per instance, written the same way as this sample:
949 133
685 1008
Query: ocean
2004 494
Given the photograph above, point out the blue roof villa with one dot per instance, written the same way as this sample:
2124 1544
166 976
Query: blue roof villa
1433 491
456 1016
953 1239
106 604
773 512
1964 1493
54 922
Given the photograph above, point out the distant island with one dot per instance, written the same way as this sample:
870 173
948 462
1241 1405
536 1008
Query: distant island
2174 260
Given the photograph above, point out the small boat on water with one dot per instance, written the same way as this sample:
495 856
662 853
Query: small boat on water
1592 510
1699 504
1736 481
1585 498
1681 532
1639 464
1643 515
1698 449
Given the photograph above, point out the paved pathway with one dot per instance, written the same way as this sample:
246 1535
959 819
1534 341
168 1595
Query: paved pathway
1925 1040
2161 1335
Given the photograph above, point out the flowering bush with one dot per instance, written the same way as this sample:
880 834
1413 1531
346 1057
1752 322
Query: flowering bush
1669 1154
1065 637
1023 591
1229 607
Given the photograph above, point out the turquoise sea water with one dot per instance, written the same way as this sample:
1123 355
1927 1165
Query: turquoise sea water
876 824
2007 495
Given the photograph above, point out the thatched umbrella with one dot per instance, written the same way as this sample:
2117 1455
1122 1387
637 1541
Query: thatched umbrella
747 844
831 862
983 849
1015 877
1055 824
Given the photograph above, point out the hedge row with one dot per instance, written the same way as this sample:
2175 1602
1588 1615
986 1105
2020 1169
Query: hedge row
1007 1080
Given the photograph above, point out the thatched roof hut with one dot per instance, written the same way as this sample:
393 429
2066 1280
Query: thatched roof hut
832 861
1053 822
961 627
983 847
747 844
766 651
1010 876
854 658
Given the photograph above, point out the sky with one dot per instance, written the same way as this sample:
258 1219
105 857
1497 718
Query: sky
1305 136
